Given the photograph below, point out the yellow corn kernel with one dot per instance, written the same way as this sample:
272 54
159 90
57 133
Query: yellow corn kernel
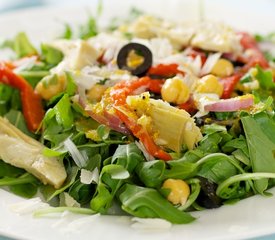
209 84
51 86
179 191
96 92
223 68
174 90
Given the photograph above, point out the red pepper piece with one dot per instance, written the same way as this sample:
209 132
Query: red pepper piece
165 70
31 102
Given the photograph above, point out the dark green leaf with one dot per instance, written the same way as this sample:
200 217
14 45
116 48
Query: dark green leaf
27 190
7 170
260 136
149 203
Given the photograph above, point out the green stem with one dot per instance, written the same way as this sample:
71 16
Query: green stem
25 178
36 74
50 210
242 177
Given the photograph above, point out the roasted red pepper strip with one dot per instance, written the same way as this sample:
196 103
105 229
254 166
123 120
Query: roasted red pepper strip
229 84
165 70
31 103
155 85
144 136
188 106
196 52
119 94
248 42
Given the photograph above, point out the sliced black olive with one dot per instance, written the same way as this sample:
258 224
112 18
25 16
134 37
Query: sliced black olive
207 197
140 50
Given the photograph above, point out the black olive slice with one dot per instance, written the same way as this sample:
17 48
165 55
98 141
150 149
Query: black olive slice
141 50
207 197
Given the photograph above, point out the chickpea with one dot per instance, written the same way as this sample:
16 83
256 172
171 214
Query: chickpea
50 86
180 191
174 90
223 68
96 92
209 84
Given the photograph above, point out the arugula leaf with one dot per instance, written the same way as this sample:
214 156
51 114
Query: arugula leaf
236 143
125 158
217 169
24 178
7 170
22 46
260 135
50 192
265 79
17 119
82 193
149 203
89 29
51 55
63 112
68 33
26 190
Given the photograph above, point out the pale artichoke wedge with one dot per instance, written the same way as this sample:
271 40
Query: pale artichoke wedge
24 152
171 127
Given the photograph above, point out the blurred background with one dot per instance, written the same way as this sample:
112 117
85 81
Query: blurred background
10 5
245 5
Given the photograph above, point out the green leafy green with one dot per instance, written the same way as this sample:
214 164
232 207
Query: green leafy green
260 135
50 192
126 157
51 55
89 29
17 119
149 203
63 112
22 45
7 170
265 79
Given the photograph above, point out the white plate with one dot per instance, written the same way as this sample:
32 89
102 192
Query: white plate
249 218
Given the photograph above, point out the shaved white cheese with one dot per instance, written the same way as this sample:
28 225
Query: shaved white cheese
67 200
146 154
161 48
89 76
88 177
150 224
82 222
191 81
210 63
214 36
25 64
70 222
79 158
107 44
28 206
77 55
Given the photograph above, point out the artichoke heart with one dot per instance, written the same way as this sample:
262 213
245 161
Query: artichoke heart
172 127
24 152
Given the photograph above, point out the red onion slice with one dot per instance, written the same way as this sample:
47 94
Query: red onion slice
231 104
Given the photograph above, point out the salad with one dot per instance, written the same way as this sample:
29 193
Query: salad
148 118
